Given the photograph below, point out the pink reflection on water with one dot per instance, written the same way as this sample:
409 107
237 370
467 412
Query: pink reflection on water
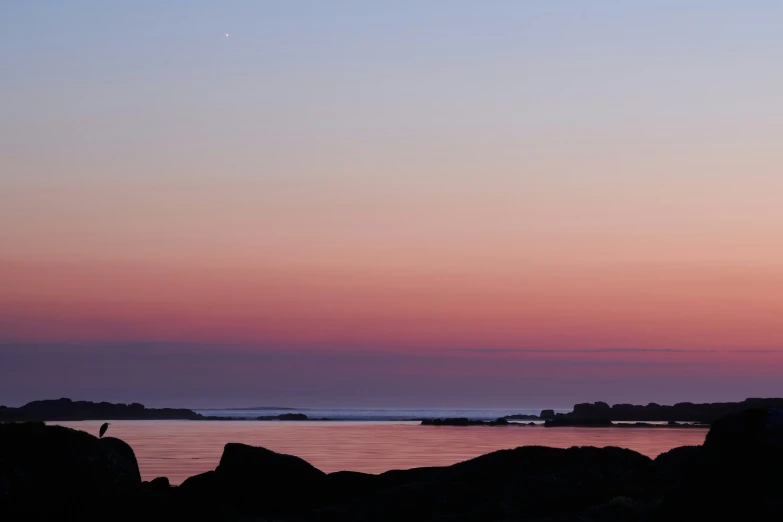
180 449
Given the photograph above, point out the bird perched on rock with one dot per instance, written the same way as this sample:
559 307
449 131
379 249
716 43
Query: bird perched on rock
103 429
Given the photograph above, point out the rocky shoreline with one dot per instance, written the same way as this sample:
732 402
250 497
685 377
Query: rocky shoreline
681 412
57 473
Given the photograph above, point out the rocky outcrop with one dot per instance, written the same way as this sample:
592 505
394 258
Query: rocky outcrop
50 472
749 433
68 410
525 483
681 412
158 484
263 468
41 455
673 466
45 470
538 483
736 472
258 481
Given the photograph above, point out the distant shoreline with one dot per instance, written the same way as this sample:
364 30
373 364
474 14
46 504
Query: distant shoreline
561 423
599 414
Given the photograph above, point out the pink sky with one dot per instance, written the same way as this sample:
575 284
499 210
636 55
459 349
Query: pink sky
539 184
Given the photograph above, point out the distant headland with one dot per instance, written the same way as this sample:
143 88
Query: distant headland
705 413
67 410
602 415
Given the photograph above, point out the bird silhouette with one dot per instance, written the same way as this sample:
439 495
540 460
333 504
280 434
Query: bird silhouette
103 429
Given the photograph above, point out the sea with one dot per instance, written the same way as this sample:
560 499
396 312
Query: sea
365 440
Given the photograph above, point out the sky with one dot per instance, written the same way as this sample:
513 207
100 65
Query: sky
355 203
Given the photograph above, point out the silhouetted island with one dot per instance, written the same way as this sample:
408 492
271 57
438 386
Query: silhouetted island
68 410
601 415
57 473
706 413
285 417
560 422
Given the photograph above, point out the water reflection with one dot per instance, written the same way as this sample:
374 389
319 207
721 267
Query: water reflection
179 449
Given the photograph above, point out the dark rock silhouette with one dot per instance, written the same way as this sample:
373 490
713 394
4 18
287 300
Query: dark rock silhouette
525 483
735 471
754 431
50 472
159 484
262 467
41 454
257 480
673 466
68 410
122 457
682 412
197 486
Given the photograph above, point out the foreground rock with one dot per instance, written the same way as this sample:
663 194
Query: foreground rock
53 473
257 480
68 410
526 483
46 471
737 470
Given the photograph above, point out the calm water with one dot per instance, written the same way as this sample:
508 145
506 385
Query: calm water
179 449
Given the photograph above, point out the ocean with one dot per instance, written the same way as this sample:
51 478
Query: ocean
180 449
